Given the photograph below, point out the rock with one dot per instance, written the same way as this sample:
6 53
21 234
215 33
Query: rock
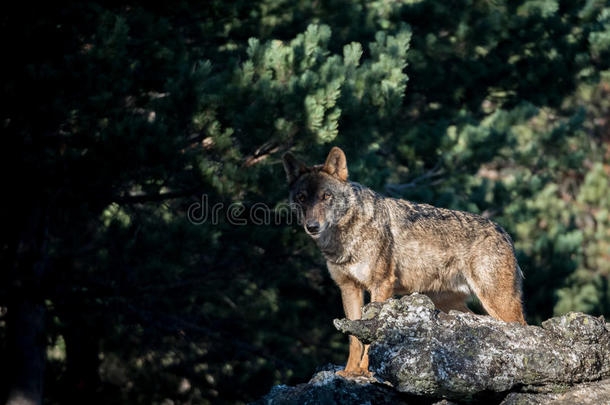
423 356
596 393
526 398
423 351
326 388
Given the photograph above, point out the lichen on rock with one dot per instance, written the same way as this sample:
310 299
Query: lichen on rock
423 351
426 355
327 388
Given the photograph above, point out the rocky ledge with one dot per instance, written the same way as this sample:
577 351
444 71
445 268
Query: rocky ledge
420 355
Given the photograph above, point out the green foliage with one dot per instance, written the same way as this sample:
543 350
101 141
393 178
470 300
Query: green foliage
126 116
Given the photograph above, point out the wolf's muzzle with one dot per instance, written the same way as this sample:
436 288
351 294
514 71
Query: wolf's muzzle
312 227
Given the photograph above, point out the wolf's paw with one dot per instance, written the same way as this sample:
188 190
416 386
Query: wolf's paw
355 373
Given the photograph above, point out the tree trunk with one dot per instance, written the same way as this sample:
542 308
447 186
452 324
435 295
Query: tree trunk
26 333
82 359
27 350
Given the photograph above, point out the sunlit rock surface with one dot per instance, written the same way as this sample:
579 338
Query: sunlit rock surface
422 355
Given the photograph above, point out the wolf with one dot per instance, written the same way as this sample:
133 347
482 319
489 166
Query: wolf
390 246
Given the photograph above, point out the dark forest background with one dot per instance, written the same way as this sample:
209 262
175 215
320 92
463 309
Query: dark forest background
118 117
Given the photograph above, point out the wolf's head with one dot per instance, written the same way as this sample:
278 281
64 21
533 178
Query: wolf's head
320 192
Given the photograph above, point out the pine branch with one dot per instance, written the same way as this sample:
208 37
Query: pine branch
147 198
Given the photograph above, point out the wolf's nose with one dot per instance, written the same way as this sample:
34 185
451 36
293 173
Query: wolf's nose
313 227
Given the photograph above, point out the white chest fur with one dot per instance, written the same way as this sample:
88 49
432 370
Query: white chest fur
359 271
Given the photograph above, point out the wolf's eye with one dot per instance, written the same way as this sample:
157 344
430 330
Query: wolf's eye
301 198
326 196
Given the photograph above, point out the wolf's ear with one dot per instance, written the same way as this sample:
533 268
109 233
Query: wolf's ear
336 163
292 166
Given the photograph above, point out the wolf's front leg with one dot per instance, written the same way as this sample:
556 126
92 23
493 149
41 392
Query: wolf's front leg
379 293
352 297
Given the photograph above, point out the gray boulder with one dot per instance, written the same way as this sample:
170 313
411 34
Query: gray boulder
327 388
423 351
595 393
423 356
